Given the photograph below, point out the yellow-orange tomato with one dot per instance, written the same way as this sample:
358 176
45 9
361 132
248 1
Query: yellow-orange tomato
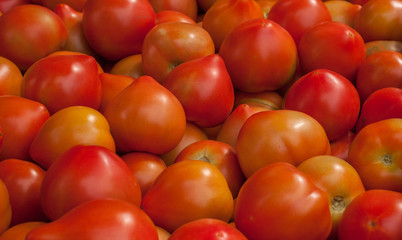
280 135
343 11
338 179
5 208
10 78
20 231
69 127
131 66
187 191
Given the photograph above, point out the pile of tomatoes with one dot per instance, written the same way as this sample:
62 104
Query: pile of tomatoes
200 119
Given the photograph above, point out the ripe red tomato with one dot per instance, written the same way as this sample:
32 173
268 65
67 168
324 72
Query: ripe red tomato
375 214
116 29
6 5
146 116
329 98
204 88
100 219
340 147
10 78
23 180
376 154
84 173
260 55
77 5
5 208
281 202
282 135
333 46
172 16
39 31
186 7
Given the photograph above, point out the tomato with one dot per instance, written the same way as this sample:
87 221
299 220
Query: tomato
340 147
146 116
338 179
162 233
382 104
281 202
204 88
329 98
69 127
62 81
21 120
333 46
83 173
298 16
100 219
343 11
20 231
207 229
376 154
383 65
172 16
375 214
130 66
5 208
372 25
187 7
266 6
77 5
6 5
219 154
116 29
267 99
283 135
170 44
187 191
205 4
146 167
10 78
223 16
23 180
373 47
25 23
260 55
192 134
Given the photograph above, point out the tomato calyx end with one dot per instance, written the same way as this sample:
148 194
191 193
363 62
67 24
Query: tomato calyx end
386 159
338 203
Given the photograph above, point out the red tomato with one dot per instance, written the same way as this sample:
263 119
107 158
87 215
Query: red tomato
21 120
343 11
376 154
222 17
281 202
382 104
187 191
69 127
380 70
329 98
372 25
77 5
267 99
207 229
116 29
260 55
146 116
101 219
172 16
187 7
333 46
62 81
20 231
266 6
204 89
373 47
375 214
84 173
6 5
340 147
282 135
5 208
39 31
23 180
170 44
130 66
10 78
338 179
298 16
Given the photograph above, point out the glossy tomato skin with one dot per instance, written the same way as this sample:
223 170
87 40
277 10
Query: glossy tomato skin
100 219
373 47
283 135
129 66
186 7
260 55
66 128
187 191
207 229
343 11
27 22
334 46
375 214
23 180
299 16
5 6
84 173
21 120
340 147
382 104
5 208
62 81
146 116
10 78
204 88
329 98
172 16
77 5
281 202
376 154
125 22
